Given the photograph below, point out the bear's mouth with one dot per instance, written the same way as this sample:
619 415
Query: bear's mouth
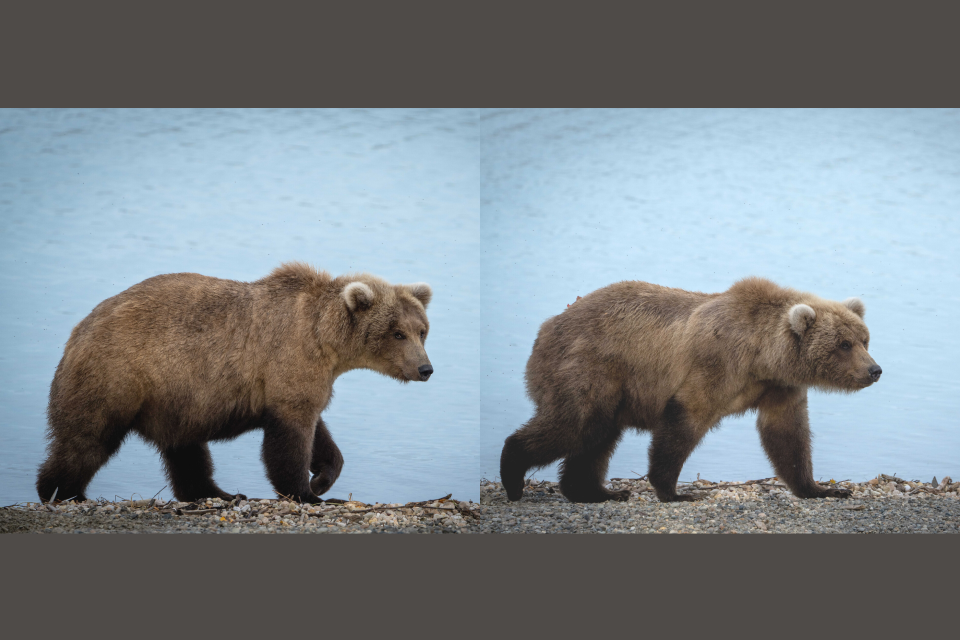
400 373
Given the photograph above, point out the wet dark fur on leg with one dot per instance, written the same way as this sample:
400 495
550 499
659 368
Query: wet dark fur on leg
70 467
326 461
287 451
82 438
672 443
582 475
522 451
190 471
784 429
585 461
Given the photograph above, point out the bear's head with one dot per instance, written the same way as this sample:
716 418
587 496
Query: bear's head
390 324
833 342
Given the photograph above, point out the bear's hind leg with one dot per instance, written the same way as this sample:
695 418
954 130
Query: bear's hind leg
535 444
674 439
326 460
582 474
72 463
190 471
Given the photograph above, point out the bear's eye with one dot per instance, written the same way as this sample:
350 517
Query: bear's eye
399 336
846 346
423 334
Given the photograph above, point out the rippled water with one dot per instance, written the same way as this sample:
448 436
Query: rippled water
509 215
840 203
92 202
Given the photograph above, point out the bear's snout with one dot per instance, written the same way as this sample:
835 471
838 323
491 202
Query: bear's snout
875 372
426 370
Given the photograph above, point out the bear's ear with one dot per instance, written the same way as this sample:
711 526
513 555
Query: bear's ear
357 296
855 305
801 317
421 291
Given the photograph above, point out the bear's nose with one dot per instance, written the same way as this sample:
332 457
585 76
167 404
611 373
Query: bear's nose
875 372
425 371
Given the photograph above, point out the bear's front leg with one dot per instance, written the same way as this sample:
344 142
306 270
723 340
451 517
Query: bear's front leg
326 461
287 451
784 428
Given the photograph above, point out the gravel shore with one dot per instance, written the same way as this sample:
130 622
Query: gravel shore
443 515
882 505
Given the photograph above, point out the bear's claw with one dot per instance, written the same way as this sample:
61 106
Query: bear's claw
601 496
513 493
837 493
679 497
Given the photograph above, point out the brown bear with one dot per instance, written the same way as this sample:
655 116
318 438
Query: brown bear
674 363
184 359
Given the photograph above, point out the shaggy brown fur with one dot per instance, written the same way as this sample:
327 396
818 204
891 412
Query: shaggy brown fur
674 363
183 359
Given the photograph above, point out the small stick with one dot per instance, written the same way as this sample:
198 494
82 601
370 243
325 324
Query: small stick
53 497
409 505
